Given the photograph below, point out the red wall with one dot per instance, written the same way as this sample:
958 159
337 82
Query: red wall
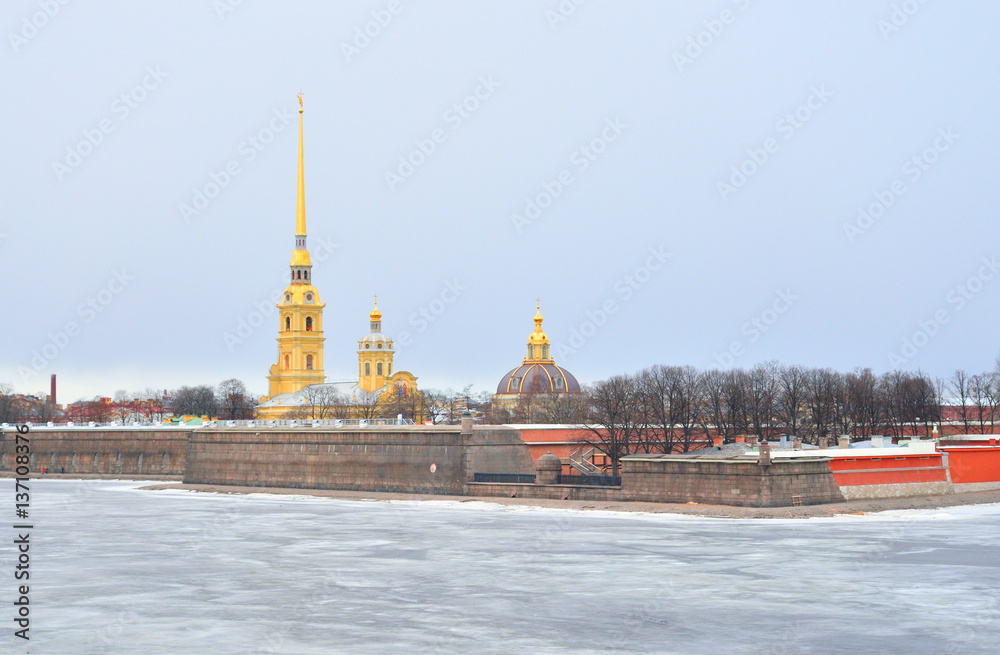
888 469
974 463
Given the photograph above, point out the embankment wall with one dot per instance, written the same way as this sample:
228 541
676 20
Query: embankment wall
105 451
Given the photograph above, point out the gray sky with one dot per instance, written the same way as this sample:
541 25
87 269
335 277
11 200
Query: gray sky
646 112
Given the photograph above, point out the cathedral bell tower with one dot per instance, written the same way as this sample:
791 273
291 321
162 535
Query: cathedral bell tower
300 312
375 353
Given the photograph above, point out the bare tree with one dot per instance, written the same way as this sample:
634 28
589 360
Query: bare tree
10 408
233 402
791 400
979 393
613 419
366 404
959 384
760 393
194 401
123 406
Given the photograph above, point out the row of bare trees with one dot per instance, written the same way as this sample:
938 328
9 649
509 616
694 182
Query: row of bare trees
627 414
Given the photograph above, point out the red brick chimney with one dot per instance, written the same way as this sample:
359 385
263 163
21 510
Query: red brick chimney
52 390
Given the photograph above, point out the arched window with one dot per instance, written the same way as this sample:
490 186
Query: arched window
309 323
287 362
288 323
545 352
307 275
368 368
309 362
298 275
379 368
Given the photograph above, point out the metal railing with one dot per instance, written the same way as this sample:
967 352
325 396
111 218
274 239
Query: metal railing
591 480
504 478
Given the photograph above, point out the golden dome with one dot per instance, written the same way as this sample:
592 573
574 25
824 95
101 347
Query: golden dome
538 337
376 315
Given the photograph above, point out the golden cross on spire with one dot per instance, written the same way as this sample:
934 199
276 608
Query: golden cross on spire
538 304
376 300
300 98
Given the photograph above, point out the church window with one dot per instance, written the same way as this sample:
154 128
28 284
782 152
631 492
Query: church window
288 324
531 352
309 323
287 362
309 362
288 297
390 368
559 384
307 275
545 352
515 383
368 368
379 368
379 344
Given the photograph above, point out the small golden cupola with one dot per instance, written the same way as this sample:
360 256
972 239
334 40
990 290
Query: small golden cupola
538 342
375 354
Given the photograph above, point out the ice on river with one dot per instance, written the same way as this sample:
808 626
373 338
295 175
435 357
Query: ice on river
116 569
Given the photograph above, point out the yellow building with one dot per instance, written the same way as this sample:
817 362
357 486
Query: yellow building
537 374
375 354
300 312
297 385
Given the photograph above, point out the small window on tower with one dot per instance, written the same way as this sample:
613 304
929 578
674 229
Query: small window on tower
545 352
559 384
307 275
368 368
379 368
309 323
309 362
287 362
288 297
288 324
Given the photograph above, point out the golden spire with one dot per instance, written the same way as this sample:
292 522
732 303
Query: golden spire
538 342
376 314
300 208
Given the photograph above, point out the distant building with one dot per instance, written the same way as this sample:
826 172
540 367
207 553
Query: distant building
537 374
297 385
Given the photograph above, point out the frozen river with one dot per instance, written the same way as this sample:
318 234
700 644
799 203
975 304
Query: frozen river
118 570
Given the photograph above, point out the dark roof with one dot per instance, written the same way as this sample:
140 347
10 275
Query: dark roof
538 378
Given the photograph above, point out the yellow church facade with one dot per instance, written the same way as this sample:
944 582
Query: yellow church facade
297 384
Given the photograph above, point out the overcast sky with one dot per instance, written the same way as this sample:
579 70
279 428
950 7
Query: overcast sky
696 173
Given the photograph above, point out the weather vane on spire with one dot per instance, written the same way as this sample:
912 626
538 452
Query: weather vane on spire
300 98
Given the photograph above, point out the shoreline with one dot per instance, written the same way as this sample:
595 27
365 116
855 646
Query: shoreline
869 506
